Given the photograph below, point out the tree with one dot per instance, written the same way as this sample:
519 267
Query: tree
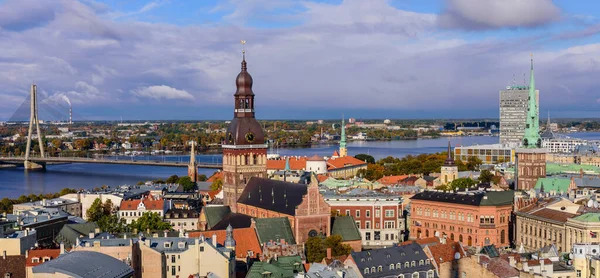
461 183
112 224
96 211
66 191
372 173
314 249
150 221
172 179
473 163
486 176
6 205
202 177
365 157
217 184
337 247
187 183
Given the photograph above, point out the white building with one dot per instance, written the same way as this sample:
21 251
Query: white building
513 113
131 210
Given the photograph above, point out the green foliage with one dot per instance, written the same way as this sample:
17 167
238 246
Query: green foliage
372 173
150 221
172 179
216 184
316 247
202 177
486 176
96 211
112 224
315 251
365 157
461 183
6 205
187 183
140 183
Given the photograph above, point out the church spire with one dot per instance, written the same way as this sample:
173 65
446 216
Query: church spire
532 137
343 150
449 160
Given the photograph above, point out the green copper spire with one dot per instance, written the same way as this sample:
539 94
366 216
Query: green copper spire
532 137
343 136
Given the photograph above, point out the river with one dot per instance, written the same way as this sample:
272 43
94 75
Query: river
15 181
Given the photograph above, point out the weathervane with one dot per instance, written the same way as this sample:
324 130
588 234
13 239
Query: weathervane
243 48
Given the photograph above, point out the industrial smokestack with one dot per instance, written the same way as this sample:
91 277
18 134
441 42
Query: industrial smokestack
70 115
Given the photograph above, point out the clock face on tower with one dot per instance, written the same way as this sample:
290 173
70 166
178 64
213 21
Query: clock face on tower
250 137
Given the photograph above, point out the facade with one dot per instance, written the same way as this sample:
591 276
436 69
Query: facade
87 199
562 145
489 154
184 257
378 217
39 256
344 167
183 219
477 218
46 222
302 204
539 225
125 250
586 260
18 242
531 165
73 207
513 114
131 210
244 149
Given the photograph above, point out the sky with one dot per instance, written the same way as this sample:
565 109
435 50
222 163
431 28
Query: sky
310 59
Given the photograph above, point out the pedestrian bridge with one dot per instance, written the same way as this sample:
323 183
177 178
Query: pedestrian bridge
42 161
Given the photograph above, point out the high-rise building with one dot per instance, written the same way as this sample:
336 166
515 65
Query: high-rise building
244 149
513 114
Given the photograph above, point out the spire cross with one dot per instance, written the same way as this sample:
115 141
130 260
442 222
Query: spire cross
243 42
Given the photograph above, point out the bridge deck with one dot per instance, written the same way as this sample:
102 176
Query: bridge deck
20 160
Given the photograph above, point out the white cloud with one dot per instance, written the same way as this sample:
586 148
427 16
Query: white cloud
162 92
490 14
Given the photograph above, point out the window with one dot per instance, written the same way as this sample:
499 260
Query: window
406 264
368 213
421 262
367 224
391 266
201 248
415 275
372 269
389 213
578 273
427 261
35 260
45 259
413 263
401 276
430 274
379 268
357 224
398 265
366 271
377 213
368 236
173 258
377 236
357 213
173 270
347 212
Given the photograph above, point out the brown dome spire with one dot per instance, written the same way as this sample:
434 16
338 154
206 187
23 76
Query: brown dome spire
243 82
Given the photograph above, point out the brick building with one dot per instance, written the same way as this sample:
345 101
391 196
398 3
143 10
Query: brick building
476 218
378 217
302 204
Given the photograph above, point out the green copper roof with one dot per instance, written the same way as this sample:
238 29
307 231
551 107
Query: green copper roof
589 217
345 227
553 184
498 198
333 183
532 137
343 135
215 214
274 229
284 267
554 168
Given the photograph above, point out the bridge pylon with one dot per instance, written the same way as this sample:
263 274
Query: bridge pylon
193 166
34 120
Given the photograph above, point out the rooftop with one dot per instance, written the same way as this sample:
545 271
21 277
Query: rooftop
85 264
470 198
588 217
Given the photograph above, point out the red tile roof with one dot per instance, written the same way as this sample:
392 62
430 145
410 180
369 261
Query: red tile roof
40 254
15 265
556 215
150 204
216 175
391 180
536 262
322 178
245 239
423 241
500 267
296 163
213 193
442 253
341 162
336 154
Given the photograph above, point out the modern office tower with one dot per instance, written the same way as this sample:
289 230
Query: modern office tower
513 114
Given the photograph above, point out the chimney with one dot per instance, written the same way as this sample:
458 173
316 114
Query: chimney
329 253
62 248
214 239
26 253
26 232
97 230
542 264
187 235
4 254
165 232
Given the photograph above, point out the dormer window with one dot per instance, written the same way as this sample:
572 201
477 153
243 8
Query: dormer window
427 261
366 271
167 245
398 265
421 262
413 263
182 245
46 259
35 260
379 268
372 269
407 264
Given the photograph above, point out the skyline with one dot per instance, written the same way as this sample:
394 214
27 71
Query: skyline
313 59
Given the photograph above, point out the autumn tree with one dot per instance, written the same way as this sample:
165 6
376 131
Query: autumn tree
150 221
172 179
486 176
316 247
217 184
365 157
187 183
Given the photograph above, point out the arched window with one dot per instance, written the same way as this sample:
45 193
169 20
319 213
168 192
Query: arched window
430 274
391 266
372 269
421 262
415 275
366 271
407 264
379 268
401 276
398 265
413 263
427 261
502 235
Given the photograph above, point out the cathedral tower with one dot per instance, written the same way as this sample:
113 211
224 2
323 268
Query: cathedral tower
343 149
244 149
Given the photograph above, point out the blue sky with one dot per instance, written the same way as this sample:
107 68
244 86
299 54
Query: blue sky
176 59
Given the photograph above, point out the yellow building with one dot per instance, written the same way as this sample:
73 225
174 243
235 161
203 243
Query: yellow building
489 154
